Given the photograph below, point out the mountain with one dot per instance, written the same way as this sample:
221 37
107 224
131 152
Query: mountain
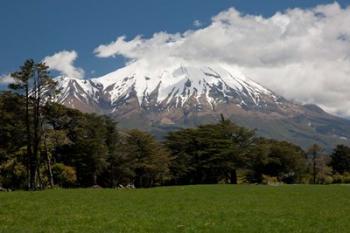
160 99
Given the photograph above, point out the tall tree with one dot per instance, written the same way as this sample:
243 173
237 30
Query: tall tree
34 84
340 159
210 153
242 142
151 160
12 141
22 81
314 151
280 159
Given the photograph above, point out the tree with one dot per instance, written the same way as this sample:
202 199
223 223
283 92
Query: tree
323 171
340 159
52 139
65 176
12 141
185 148
42 90
242 142
112 141
210 153
280 159
34 84
87 142
314 150
150 160
88 151
22 79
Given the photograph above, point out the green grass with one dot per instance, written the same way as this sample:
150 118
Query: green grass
202 208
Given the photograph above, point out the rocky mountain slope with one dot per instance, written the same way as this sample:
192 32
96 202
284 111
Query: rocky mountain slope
166 98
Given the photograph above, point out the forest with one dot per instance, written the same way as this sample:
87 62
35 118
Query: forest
45 145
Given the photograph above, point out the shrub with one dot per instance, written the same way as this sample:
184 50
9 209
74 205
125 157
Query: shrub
346 178
12 174
64 175
337 178
306 179
270 180
326 180
341 178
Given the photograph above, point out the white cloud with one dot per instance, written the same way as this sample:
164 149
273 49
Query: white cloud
197 23
63 62
6 79
120 46
300 54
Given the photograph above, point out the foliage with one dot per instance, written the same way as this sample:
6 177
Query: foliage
150 161
279 159
13 172
64 176
340 159
209 153
341 178
270 180
32 82
313 152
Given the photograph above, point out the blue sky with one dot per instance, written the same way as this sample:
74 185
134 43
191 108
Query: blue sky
38 28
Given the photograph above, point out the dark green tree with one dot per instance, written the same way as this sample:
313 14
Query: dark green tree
114 160
283 160
340 159
210 153
150 160
22 86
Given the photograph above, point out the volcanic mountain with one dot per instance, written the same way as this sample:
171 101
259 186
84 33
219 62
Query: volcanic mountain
183 95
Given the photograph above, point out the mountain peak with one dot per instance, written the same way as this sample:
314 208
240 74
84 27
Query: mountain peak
185 95
180 83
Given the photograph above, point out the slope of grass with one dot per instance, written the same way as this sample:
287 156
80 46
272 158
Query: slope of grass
202 208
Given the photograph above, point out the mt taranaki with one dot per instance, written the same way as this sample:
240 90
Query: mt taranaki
160 99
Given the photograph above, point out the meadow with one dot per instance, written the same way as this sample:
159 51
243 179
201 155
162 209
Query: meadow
199 208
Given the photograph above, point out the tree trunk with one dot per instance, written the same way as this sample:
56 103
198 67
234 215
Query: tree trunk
233 177
113 176
36 132
30 168
39 183
95 178
48 163
314 168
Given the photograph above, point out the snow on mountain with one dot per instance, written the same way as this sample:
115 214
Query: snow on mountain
168 87
78 93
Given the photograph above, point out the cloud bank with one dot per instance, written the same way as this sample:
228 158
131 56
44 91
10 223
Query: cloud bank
63 62
302 54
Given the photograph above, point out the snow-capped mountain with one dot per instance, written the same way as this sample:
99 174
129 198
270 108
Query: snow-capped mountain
200 88
185 95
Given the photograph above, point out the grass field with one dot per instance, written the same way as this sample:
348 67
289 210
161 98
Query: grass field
202 208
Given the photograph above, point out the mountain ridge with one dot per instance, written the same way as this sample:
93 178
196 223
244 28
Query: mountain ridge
179 95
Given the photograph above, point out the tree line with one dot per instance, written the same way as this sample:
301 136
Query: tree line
44 144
